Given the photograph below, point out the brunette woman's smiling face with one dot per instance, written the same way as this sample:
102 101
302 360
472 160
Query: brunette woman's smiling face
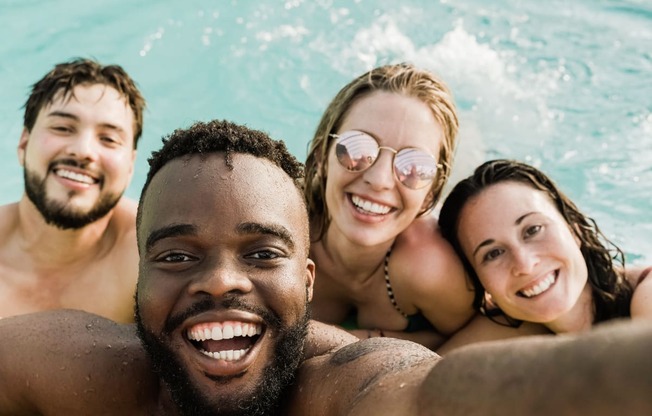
523 251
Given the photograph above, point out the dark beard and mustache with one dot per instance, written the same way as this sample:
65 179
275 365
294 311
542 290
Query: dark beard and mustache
57 213
277 377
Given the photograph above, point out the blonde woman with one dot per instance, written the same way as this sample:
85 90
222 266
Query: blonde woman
376 167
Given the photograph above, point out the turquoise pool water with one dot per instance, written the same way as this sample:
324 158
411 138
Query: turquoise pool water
564 85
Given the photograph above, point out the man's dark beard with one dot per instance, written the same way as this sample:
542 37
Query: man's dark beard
57 213
275 380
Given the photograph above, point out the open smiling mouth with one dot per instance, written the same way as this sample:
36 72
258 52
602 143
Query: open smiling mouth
229 341
541 287
79 177
368 207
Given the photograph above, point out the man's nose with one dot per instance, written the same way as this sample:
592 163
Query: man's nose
83 146
222 276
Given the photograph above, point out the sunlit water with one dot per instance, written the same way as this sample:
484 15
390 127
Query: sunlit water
566 86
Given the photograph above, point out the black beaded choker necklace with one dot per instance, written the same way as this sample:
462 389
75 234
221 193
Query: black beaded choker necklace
390 292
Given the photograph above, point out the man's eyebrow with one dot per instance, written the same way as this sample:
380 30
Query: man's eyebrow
270 229
174 230
63 114
71 116
518 221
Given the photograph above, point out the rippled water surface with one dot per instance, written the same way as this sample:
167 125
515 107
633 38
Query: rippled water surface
564 85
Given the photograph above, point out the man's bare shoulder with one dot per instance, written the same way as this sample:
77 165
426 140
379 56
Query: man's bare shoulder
99 366
324 339
368 376
43 271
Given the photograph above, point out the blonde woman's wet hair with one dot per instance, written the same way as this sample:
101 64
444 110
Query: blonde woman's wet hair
404 79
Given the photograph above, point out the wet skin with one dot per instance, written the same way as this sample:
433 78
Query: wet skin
223 237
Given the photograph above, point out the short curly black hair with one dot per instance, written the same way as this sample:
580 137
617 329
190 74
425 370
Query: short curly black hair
204 138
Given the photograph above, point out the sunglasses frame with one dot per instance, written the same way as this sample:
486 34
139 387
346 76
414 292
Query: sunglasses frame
394 152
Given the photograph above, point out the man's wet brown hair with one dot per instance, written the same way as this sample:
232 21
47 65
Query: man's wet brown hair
63 79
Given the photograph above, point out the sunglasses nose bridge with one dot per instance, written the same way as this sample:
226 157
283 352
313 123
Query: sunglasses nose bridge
392 156
380 173
390 149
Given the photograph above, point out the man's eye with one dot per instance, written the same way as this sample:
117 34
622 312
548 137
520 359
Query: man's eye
175 258
264 255
62 129
109 139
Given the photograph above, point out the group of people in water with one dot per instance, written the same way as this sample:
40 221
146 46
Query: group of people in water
266 286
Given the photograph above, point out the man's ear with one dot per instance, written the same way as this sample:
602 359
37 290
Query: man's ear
22 145
310 278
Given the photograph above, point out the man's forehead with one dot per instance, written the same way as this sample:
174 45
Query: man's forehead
193 172
254 189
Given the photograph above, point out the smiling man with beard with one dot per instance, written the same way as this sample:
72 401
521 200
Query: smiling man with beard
222 301
70 241
223 321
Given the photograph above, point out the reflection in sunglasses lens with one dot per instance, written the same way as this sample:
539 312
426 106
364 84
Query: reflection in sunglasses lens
357 151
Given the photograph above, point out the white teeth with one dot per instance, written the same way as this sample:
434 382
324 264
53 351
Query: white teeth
369 206
74 176
227 332
219 332
229 355
237 331
541 287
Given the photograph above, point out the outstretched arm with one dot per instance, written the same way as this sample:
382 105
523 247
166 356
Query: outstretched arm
604 372
480 329
377 376
71 362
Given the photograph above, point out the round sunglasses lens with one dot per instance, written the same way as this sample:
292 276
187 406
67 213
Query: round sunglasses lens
356 151
415 168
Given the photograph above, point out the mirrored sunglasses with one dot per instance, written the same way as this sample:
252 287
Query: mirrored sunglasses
357 151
